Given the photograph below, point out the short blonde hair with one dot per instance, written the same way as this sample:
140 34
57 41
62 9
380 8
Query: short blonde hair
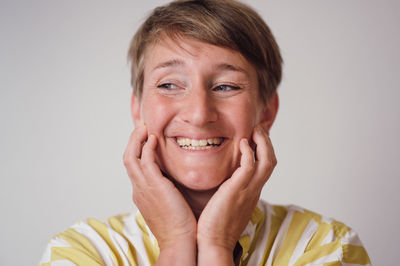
224 23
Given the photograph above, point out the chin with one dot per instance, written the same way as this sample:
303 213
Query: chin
200 180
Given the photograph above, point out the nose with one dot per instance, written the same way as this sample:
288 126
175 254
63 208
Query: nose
199 108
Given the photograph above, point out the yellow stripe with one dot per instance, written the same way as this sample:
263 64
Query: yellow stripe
260 223
152 250
79 243
79 257
340 229
280 213
102 230
322 231
245 242
257 218
299 223
117 225
355 255
318 253
333 263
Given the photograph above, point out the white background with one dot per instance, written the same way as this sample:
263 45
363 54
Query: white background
65 119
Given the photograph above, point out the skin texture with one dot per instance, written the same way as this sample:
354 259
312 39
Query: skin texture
199 91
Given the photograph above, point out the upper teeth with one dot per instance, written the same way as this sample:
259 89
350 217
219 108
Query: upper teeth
198 142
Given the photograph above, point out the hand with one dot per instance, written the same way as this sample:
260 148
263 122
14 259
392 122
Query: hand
235 200
163 207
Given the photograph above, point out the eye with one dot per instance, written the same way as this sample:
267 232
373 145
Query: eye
225 87
167 86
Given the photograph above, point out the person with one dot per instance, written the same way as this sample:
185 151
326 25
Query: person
205 77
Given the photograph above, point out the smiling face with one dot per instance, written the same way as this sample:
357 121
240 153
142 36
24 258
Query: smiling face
199 100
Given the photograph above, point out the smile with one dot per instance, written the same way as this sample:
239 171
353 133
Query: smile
198 144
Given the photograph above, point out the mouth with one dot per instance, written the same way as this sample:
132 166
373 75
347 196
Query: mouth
199 144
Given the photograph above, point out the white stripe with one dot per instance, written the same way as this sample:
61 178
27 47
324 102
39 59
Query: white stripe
329 238
280 237
54 242
120 244
264 233
337 255
97 241
352 238
133 233
307 234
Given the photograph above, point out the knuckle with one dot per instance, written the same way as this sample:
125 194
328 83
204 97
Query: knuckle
264 166
127 158
135 133
132 175
272 163
249 163
248 168
133 170
126 162
145 166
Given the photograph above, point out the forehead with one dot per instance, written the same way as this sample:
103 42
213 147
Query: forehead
183 52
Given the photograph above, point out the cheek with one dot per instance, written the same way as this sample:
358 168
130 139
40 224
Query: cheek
155 114
243 118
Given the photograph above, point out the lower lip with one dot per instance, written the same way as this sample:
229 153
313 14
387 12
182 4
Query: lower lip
212 149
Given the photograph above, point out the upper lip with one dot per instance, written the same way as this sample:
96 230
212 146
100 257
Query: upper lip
198 137
193 135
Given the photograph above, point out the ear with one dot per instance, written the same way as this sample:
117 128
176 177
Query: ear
269 112
135 110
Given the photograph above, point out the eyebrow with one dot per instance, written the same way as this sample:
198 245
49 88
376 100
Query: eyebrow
169 63
229 67
219 67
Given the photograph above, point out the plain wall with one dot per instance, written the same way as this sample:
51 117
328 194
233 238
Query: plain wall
65 117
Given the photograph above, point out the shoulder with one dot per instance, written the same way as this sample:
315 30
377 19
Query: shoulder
293 235
121 240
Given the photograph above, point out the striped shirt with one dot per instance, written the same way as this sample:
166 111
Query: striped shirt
275 235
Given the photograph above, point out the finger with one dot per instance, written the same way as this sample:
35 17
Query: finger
241 177
148 149
271 159
259 138
266 159
134 147
247 160
133 152
147 162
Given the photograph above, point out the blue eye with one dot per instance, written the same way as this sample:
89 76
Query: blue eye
226 88
168 86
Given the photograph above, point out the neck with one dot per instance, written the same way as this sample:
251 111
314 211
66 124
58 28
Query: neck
197 200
